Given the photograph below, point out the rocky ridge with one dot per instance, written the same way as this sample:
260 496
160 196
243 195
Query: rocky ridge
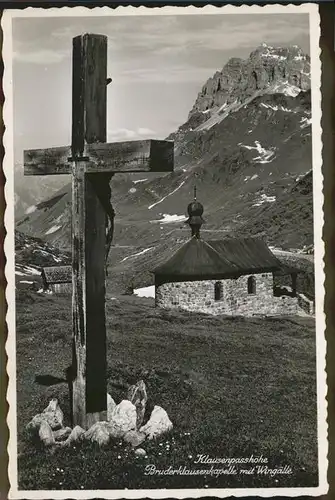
269 69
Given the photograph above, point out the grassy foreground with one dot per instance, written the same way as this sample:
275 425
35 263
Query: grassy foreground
233 387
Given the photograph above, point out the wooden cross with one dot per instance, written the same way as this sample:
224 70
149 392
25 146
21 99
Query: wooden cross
92 161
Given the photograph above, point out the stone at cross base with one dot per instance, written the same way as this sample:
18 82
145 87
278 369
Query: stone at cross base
121 424
158 424
137 394
52 414
45 434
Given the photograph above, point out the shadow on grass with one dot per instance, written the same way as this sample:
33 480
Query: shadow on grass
48 380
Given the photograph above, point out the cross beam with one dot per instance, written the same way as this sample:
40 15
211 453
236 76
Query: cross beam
91 162
131 156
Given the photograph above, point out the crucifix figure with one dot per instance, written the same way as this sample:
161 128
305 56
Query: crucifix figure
92 162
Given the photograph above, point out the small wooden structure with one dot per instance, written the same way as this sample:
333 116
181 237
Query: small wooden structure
57 279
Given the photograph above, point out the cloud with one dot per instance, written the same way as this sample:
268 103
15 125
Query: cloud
145 131
223 32
183 73
125 134
226 36
41 56
131 37
66 32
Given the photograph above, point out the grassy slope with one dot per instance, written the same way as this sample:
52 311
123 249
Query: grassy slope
238 386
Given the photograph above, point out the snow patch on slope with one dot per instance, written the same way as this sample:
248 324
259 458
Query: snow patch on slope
250 177
53 229
264 155
286 89
304 122
164 197
270 55
147 291
223 107
30 209
263 198
139 180
217 115
300 57
22 270
277 108
137 254
170 218
47 254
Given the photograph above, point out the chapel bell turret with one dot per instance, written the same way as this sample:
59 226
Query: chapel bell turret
195 211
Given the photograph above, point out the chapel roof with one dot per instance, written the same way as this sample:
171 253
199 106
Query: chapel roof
219 258
248 254
229 257
57 274
195 258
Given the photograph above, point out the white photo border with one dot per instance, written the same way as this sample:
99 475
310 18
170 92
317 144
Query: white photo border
9 247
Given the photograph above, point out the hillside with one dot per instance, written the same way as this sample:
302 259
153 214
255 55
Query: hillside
199 369
293 211
247 147
29 191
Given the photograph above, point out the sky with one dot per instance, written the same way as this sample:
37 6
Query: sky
158 65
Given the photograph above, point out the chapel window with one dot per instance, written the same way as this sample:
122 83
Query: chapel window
175 300
218 290
251 285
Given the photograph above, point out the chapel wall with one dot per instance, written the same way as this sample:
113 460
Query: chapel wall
306 304
61 288
196 296
236 299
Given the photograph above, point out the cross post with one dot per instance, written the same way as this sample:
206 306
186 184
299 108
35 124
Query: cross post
91 162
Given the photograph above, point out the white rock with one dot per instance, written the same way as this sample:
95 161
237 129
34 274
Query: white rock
158 424
111 405
54 409
140 452
76 434
137 394
35 423
134 438
123 419
45 434
62 434
52 414
98 433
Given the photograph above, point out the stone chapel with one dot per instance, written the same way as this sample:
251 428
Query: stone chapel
232 276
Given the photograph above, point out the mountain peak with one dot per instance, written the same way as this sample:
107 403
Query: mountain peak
268 69
278 53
